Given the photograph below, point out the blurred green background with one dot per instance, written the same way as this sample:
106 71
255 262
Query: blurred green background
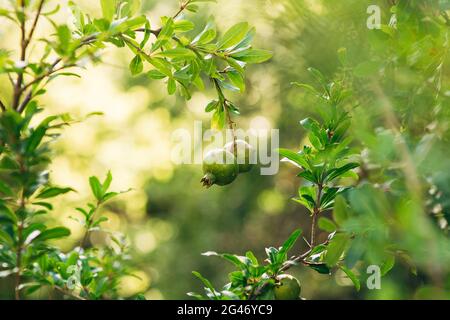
170 219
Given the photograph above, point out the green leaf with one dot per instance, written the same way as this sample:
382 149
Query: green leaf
155 74
5 189
109 195
46 205
387 264
171 86
147 35
178 53
107 183
328 196
307 87
99 221
310 124
108 8
253 55
233 36
308 176
6 212
51 192
218 119
232 108
130 7
164 35
195 295
320 268
236 260
96 188
296 158
183 25
136 65
64 36
35 139
54 233
6 238
212 105
337 172
205 281
352 277
128 25
340 214
318 75
78 16
272 254
162 65
288 244
252 258
336 248
207 35
237 65
326 224
237 80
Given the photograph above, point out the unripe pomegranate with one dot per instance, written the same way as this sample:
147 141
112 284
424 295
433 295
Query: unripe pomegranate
219 167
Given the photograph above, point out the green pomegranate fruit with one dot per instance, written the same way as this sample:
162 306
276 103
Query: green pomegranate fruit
287 288
244 153
219 167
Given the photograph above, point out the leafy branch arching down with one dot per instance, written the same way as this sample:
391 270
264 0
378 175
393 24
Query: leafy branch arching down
174 53
325 160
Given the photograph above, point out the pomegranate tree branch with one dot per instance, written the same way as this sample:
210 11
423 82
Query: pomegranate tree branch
18 84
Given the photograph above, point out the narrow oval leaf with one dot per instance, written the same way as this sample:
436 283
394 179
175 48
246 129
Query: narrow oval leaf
54 233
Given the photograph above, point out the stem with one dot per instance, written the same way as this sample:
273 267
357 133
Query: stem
50 72
23 48
301 258
231 126
18 260
313 229
316 211
19 244
25 41
88 226
152 31
19 238
226 110
286 266
68 293
182 7
36 19
2 106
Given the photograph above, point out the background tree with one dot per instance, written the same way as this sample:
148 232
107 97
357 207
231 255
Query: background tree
169 218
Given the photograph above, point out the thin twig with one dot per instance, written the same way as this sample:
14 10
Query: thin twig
182 7
316 212
29 95
68 293
18 84
302 257
20 246
33 27
25 41
155 32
